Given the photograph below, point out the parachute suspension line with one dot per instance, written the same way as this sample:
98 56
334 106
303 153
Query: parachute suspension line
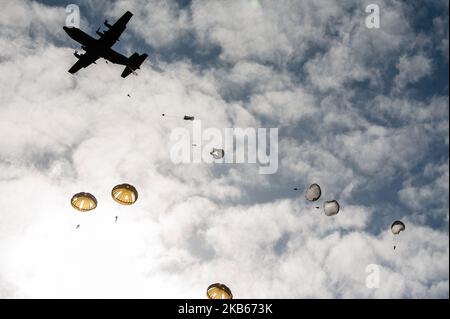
171 116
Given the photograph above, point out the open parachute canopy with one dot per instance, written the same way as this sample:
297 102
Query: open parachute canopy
217 153
83 202
397 227
219 291
331 207
313 192
124 194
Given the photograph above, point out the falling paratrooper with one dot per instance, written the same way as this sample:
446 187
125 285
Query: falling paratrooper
397 227
83 202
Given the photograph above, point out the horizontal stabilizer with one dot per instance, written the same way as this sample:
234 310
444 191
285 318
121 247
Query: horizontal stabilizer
134 63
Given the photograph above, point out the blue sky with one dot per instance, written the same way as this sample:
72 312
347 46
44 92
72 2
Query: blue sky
363 112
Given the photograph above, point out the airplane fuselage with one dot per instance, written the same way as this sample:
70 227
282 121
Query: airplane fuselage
98 46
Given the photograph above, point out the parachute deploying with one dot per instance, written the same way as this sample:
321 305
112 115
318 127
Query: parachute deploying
124 194
83 202
217 153
218 291
331 207
185 117
313 193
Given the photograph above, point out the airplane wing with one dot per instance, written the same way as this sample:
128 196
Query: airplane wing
115 57
114 31
83 61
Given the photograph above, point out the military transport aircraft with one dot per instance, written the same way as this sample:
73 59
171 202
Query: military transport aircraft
101 47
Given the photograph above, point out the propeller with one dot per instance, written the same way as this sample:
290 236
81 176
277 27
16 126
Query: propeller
76 54
100 33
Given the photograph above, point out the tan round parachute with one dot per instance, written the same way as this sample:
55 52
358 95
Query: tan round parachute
83 202
331 207
219 291
313 192
124 194
397 227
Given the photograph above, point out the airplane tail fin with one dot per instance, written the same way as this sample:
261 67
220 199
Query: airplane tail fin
134 63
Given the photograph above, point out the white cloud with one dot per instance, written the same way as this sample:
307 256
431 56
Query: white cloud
380 151
412 69
158 22
432 196
334 69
